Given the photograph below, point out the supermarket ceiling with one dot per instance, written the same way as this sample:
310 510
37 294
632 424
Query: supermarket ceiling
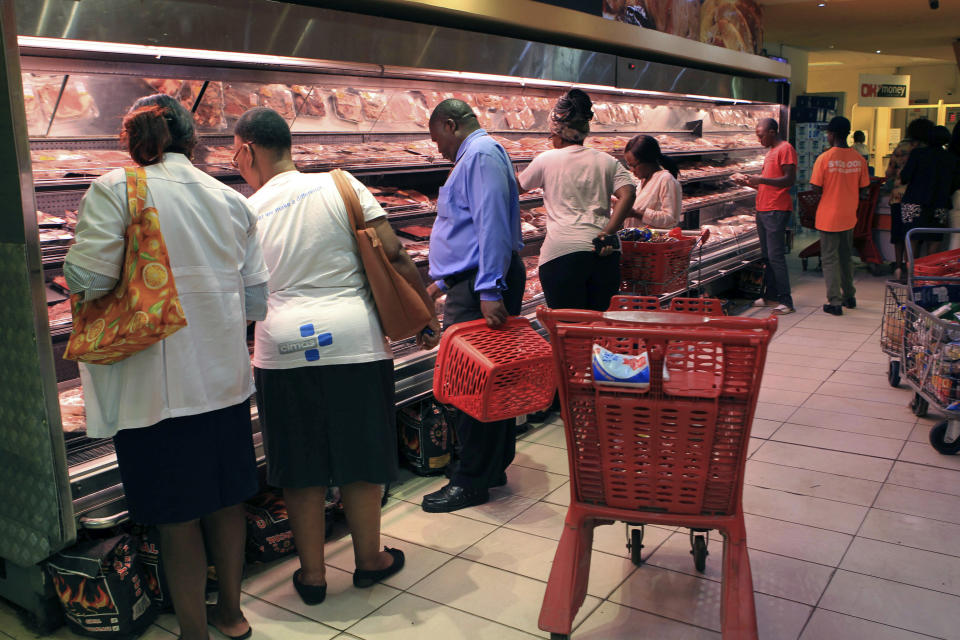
895 27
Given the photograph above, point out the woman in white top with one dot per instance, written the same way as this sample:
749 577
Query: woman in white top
179 411
577 184
660 200
323 368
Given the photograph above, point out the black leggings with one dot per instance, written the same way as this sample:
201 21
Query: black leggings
581 280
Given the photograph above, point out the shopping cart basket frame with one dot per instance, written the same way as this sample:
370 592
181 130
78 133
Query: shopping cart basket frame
567 585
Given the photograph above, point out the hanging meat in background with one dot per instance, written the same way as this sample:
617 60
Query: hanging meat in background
309 101
347 105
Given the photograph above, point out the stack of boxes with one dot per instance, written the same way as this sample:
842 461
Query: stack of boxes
811 141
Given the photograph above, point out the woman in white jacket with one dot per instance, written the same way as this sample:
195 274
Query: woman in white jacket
659 198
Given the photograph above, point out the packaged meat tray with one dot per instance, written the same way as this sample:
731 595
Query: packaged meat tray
416 232
60 313
309 101
393 198
238 98
209 114
167 86
347 105
72 411
279 98
45 220
373 104
75 102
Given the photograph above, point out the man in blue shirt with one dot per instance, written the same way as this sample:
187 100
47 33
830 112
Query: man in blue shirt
474 261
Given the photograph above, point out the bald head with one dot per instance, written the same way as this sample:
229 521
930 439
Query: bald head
766 131
451 109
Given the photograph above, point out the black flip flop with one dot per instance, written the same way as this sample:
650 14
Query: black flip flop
364 579
242 636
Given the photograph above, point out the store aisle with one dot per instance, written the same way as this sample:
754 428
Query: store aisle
852 522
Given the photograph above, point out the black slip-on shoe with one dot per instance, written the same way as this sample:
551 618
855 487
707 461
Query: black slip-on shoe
364 579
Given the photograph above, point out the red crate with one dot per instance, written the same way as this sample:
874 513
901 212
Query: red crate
653 268
701 306
943 264
494 374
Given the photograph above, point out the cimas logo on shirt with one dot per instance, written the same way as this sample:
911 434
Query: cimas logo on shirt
309 343
844 166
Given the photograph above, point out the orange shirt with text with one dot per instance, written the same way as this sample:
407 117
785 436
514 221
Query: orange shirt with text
776 198
841 172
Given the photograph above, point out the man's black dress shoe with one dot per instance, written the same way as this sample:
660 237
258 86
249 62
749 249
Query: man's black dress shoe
833 309
451 498
850 303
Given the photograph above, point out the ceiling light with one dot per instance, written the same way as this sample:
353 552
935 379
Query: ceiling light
822 4
878 50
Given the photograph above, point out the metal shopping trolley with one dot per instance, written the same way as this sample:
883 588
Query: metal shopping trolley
671 454
930 346
896 295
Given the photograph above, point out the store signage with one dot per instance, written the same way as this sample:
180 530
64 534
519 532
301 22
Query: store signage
884 91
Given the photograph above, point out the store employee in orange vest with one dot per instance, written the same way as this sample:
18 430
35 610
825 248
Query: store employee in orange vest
774 207
474 261
841 177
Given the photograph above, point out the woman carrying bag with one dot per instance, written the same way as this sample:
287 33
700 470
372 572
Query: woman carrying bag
323 367
178 410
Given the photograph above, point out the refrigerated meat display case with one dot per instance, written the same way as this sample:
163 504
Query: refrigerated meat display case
370 119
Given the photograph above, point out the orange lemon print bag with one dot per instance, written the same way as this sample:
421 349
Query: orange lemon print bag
144 307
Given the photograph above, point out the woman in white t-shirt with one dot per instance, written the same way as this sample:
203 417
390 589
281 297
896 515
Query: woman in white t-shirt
660 200
577 184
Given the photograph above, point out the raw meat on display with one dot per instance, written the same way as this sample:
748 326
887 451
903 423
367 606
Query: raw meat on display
405 106
489 101
602 113
165 85
416 232
523 119
239 98
279 98
47 220
60 313
72 410
209 113
347 105
373 104
309 101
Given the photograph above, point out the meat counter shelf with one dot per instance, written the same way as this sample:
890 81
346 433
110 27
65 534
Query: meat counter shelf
721 198
716 176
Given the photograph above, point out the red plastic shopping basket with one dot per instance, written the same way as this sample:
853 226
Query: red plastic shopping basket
494 374
671 454
652 268
943 264
702 306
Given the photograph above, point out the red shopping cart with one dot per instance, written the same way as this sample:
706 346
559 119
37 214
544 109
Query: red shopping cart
670 454
655 268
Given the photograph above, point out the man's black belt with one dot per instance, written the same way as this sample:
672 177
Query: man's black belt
453 280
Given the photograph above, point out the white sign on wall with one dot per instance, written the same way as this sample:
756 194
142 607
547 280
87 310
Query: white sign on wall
884 91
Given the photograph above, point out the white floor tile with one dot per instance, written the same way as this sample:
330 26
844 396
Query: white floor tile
796 361
788 383
777 412
885 395
753 445
779 619
920 476
672 595
856 366
796 540
874 356
891 603
560 495
612 621
408 616
772 574
345 605
834 440
846 464
924 453
861 407
872 380
811 483
420 561
501 508
816 512
764 428
507 598
541 457
917 502
533 556
530 483
415 487
787 370
826 353
902 564
779 396
912 531
803 335
828 625
276 623
446 532
853 423
550 434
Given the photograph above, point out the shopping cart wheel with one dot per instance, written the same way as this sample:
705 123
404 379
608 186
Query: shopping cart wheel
559 636
636 546
893 373
919 406
937 439
698 548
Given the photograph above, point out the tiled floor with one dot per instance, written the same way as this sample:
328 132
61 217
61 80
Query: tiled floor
853 526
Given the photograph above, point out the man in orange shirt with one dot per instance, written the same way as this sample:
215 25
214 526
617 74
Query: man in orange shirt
840 175
774 207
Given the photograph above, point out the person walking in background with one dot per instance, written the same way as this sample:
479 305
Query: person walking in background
860 146
928 176
323 368
840 176
918 131
954 149
474 260
577 184
179 411
774 209
659 203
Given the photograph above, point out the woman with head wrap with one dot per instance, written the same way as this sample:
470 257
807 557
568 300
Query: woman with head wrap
660 200
578 182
